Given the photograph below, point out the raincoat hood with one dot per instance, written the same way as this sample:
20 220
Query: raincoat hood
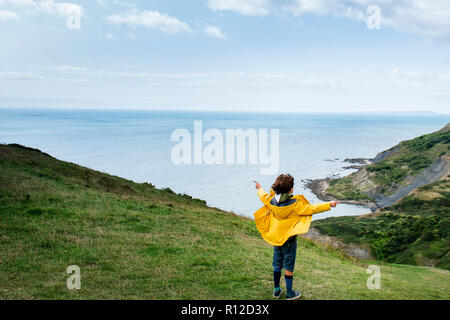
282 212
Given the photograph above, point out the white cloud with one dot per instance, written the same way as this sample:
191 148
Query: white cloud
357 81
94 72
245 7
70 69
152 20
421 17
418 78
106 3
14 75
214 32
18 3
235 78
301 7
62 9
8 15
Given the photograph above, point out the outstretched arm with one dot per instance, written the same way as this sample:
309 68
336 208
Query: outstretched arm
322 207
263 196
311 209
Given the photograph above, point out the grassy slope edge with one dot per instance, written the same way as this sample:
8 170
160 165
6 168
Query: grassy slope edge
133 241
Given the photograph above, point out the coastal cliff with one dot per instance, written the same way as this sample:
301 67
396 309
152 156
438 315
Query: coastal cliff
392 174
408 188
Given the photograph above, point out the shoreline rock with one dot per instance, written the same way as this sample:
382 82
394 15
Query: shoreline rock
357 163
360 161
354 166
319 186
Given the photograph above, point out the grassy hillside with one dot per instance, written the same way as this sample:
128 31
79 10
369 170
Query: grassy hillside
133 241
393 169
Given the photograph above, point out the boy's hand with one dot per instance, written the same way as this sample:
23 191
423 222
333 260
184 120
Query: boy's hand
334 203
257 185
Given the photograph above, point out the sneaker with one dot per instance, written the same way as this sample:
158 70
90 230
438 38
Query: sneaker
293 295
277 293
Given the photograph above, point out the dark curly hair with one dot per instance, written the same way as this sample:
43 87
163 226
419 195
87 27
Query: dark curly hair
283 184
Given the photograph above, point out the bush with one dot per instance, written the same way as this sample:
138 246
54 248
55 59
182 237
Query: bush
387 174
428 141
428 236
168 190
415 162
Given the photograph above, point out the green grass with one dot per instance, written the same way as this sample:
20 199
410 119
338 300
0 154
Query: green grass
133 241
343 189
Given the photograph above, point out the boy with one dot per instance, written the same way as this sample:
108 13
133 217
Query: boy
283 217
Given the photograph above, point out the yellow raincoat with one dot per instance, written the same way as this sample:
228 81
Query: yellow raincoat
277 224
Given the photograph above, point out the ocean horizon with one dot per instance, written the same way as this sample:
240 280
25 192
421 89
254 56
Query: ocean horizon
137 145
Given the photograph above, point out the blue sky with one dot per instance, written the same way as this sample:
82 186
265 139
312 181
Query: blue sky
235 55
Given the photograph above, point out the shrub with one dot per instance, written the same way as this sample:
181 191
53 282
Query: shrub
428 235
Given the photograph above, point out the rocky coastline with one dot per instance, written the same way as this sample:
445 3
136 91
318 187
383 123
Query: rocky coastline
319 186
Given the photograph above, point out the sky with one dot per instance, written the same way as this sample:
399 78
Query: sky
226 55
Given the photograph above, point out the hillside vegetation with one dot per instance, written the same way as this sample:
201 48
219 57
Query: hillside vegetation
413 231
396 172
412 225
133 241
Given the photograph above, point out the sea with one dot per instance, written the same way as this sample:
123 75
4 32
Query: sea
138 145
